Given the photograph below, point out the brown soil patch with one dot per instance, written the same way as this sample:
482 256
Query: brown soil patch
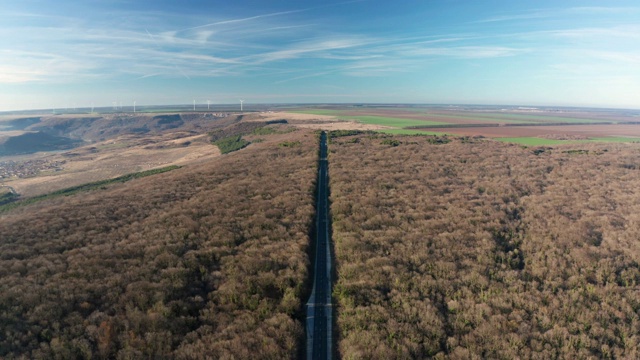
449 118
567 130
268 116
418 116
342 125
320 122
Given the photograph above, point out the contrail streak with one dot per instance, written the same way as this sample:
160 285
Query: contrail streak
151 36
269 15
182 72
244 19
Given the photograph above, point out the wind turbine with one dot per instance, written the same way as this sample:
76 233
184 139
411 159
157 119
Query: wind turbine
134 106
208 103
194 105
241 101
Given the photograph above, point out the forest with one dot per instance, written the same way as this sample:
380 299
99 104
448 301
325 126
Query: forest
209 260
465 248
445 247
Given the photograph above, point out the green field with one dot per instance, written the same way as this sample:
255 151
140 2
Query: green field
545 119
394 122
390 121
399 125
481 119
318 112
614 139
532 141
409 132
508 118
515 118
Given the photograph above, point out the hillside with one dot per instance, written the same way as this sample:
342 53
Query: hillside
96 128
461 248
207 259
30 142
18 124
60 132
178 139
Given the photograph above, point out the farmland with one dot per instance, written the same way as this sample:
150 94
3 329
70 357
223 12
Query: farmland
511 124
586 131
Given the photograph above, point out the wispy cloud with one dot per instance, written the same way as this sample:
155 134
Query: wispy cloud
306 76
615 56
515 17
285 40
233 21
306 48
469 52
558 13
604 9
622 31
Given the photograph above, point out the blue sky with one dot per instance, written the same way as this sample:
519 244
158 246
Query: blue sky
68 53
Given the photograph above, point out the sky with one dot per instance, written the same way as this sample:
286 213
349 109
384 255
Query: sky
69 53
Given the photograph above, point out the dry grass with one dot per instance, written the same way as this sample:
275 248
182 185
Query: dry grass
293 116
116 157
321 122
567 130
342 125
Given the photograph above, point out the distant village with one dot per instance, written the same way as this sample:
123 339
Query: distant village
24 169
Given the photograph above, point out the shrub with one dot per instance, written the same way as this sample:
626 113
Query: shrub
231 144
391 142
289 144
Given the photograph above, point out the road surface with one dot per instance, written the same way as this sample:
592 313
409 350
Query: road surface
319 309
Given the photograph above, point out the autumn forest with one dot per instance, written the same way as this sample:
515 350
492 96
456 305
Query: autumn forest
444 247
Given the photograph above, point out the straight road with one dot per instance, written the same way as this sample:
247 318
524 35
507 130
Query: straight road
319 309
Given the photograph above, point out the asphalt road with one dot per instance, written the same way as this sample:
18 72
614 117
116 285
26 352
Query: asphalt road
319 309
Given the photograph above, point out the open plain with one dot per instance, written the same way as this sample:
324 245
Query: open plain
512 124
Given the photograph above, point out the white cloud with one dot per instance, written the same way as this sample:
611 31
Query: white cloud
308 48
622 32
616 56
466 52
517 17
